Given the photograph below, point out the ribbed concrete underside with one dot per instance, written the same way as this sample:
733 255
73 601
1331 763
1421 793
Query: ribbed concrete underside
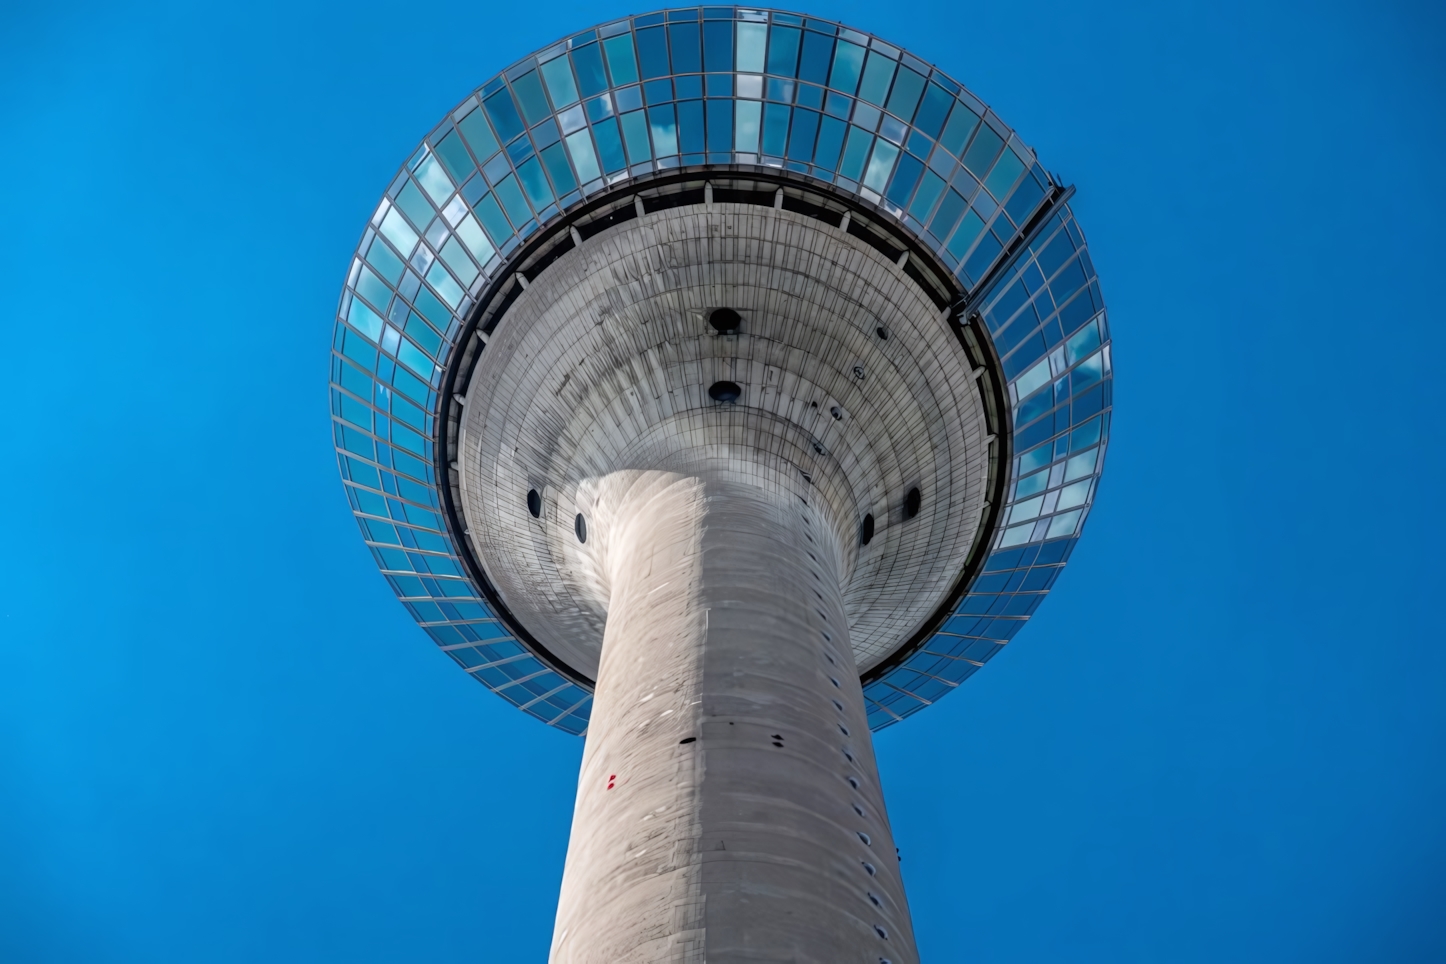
848 375
763 837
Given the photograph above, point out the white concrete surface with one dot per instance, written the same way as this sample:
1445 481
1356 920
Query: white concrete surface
604 364
722 595
765 837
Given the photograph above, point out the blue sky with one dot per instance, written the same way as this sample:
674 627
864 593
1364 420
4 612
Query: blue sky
222 740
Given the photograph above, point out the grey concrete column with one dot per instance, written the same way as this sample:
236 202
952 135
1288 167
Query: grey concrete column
728 807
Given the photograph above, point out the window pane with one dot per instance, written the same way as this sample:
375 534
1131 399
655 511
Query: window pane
1005 173
848 61
752 39
621 62
775 129
534 182
529 94
783 50
717 46
690 127
982 152
880 165
800 140
683 38
635 135
720 125
454 156
877 75
512 200
830 140
590 76
479 136
935 108
503 114
665 130
609 145
558 74
749 114
558 171
817 52
956 133
489 212
653 52
579 145
907 88
929 191
856 152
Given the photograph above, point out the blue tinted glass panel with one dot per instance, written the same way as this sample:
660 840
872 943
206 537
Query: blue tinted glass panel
830 140
817 53
513 202
664 126
982 151
683 39
590 76
906 175
528 89
848 62
775 129
558 170
479 135
956 133
934 110
454 157
503 114
878 73
609 146
800 140
690 127
560 85
622 65
635 136
905 95
717 46
653 52
783 51
720 125
856 153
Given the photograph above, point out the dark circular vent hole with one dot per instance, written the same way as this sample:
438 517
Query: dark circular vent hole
534 503
836 412
687 739
579 525
724 391
867 535
724 320
912 502
882 332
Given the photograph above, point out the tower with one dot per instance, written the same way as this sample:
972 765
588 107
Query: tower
723 384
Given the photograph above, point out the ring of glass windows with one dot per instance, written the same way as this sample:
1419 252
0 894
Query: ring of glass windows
734 90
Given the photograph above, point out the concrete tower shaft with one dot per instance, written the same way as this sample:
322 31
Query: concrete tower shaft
729 807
